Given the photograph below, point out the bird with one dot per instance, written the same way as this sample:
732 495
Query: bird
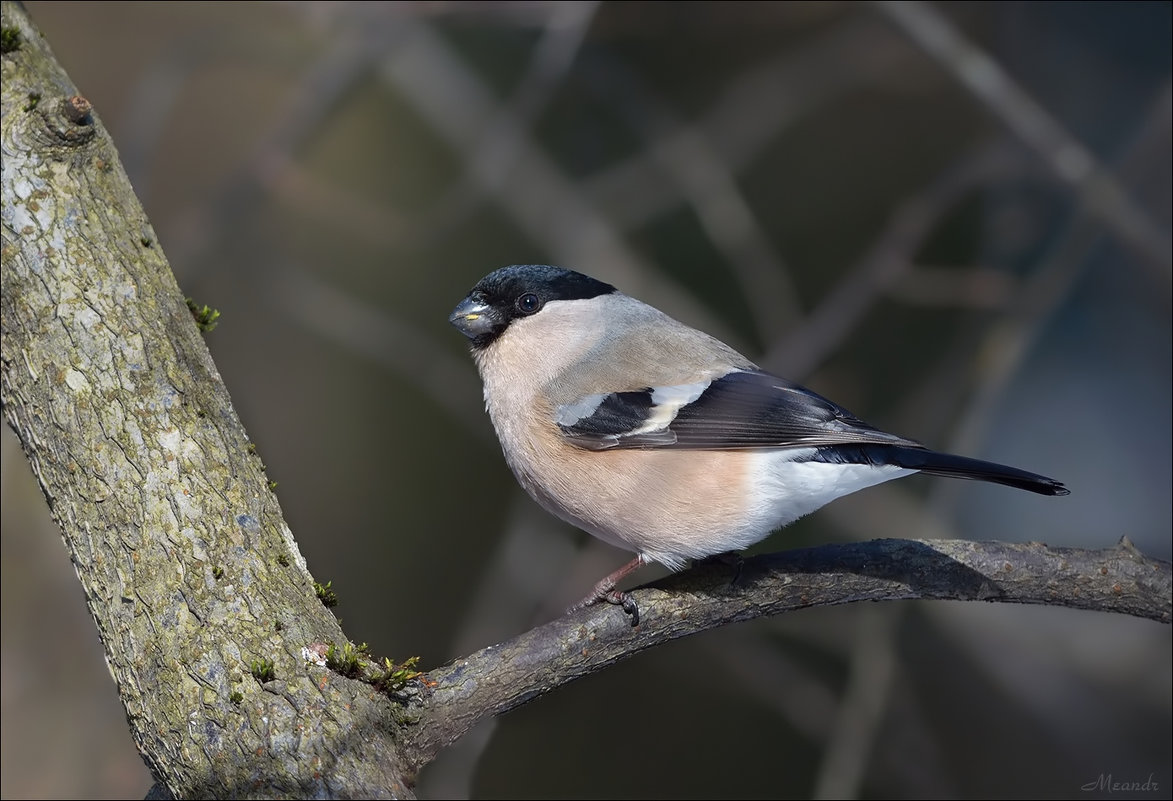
662 440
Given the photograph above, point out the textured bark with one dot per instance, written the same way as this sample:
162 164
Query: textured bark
187 565
193 577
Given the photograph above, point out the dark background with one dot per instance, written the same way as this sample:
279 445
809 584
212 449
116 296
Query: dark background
988 272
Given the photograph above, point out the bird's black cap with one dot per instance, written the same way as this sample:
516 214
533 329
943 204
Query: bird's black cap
519 290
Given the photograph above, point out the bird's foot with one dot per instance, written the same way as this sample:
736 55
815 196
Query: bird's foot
605 591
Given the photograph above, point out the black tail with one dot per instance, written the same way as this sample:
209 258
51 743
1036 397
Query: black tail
946 464
940 464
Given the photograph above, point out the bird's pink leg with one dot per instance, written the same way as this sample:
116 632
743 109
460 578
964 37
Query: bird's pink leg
605 591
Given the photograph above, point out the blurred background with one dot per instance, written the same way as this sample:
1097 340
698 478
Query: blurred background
953 219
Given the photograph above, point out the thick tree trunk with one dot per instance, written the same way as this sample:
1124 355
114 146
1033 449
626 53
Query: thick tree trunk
189 570
212 628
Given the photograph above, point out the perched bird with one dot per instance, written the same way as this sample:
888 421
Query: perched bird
660 439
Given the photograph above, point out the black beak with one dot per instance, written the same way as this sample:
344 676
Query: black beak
474 318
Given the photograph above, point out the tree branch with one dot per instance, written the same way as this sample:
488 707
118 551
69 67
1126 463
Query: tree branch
203 603
502 677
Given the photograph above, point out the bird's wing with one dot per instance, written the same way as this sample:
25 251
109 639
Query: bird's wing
742 409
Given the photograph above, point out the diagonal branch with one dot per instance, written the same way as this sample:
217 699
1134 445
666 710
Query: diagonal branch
201 598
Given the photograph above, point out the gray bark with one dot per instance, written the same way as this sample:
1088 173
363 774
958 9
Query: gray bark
194 579
188 567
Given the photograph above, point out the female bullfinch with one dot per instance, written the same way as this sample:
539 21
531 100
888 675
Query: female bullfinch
660 439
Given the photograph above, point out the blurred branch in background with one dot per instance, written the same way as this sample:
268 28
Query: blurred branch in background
1027 119
824 184
886 263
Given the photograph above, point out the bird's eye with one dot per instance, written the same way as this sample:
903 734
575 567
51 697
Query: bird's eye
528 303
